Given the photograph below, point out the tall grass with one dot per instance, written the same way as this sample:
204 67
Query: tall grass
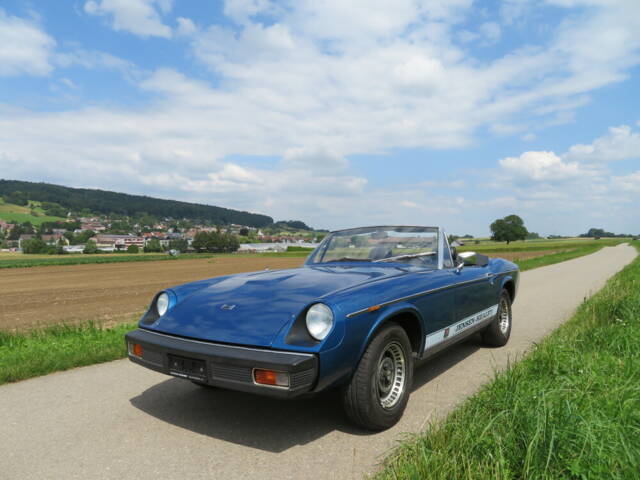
571 409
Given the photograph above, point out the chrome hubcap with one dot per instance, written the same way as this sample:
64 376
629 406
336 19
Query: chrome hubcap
392 373
505 315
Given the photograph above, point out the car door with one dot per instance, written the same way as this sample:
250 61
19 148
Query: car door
474 295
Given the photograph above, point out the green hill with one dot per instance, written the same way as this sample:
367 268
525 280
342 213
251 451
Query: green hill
17 213
107 202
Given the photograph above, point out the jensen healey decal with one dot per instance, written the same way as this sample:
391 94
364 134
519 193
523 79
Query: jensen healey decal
435 338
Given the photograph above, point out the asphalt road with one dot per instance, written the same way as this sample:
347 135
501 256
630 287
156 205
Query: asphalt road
118 420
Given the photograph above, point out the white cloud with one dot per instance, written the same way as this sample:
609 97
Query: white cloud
319 159
140 17
490 32
186 26
628 183
540 166
620 143
24 47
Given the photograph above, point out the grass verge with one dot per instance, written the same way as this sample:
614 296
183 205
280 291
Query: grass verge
26 355
570 409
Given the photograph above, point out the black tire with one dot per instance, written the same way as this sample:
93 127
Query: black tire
372 384
499 330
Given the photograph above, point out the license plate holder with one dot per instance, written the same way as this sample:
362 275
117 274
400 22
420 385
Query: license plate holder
191 368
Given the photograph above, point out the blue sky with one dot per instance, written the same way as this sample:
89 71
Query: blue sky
447 112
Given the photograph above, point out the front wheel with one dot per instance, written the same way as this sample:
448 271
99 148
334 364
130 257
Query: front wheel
498 332
378 392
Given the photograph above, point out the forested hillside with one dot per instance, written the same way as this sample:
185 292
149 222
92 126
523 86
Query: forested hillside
106 202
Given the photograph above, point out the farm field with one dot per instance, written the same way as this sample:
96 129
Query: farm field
109 293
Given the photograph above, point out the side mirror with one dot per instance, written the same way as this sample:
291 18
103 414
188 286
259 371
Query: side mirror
473 259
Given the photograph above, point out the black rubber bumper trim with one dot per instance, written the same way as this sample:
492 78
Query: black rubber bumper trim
228 366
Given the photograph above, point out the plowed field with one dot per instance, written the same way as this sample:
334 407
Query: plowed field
106 293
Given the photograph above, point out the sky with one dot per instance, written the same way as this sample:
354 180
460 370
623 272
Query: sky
340 114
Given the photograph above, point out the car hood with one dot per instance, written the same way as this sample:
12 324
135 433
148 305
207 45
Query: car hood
250 309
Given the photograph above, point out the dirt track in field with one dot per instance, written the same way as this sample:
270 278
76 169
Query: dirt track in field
40 296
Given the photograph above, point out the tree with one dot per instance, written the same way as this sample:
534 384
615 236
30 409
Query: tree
200 242
508 229
33 245
90 247
17 198
153 245
133 249
215 242
180 245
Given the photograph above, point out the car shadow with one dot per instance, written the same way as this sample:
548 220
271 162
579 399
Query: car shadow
273 425
433 367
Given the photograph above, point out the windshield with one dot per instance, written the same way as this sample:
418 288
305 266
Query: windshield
414 245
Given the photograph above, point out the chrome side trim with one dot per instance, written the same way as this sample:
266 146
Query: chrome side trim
416 295
267 350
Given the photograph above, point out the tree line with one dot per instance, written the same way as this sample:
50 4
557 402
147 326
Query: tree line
107 203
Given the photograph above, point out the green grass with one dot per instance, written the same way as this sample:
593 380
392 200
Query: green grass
561 256
570 409
540 245
10 213
26 355
21 260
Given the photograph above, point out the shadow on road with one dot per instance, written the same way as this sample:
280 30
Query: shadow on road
265 423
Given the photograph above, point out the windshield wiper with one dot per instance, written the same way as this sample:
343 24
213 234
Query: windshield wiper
406 255
349 259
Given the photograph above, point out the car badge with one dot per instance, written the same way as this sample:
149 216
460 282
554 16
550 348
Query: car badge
228 306
446 332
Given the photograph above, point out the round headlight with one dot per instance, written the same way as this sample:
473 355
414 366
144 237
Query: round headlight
162 304
319 321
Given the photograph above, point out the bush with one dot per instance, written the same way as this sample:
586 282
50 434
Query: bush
133 249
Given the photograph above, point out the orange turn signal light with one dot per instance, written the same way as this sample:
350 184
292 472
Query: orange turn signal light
135 349
374 308
271 377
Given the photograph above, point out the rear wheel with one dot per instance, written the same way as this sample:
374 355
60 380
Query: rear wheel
498 332
378 392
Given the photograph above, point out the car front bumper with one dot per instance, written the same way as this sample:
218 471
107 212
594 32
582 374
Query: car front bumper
226 366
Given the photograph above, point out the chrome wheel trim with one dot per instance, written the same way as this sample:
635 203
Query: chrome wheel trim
504 316
391 375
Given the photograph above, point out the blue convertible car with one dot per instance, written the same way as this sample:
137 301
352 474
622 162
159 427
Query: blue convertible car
366 307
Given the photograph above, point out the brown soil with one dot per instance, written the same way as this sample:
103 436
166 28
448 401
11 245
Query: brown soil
106 293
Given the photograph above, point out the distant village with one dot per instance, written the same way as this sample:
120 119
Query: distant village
89 234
